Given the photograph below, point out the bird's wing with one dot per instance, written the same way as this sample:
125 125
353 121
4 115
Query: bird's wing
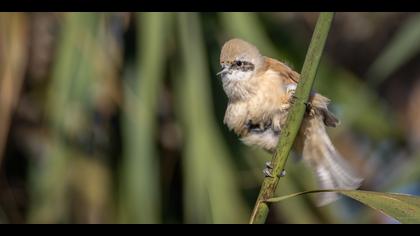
292 77
285 71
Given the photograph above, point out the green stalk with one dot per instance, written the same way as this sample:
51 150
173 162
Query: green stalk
140 195
295 116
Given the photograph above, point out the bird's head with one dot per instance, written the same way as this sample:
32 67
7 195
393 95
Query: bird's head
239 60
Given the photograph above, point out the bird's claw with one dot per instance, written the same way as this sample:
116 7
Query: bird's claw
268 171
283 173
269 165
291 88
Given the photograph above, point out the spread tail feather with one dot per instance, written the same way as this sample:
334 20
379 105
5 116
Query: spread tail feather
331 169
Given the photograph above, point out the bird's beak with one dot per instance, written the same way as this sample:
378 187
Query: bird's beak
224 70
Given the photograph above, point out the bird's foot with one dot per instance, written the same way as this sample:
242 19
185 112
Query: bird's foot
267 173
290 91
283 173
291 88
269 169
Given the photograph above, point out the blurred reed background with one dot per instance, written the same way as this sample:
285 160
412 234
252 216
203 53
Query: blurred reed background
118 117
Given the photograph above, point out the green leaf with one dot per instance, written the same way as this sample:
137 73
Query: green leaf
402 207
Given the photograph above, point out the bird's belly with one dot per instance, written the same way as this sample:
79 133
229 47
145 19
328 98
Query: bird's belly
236 117
269 114
265 105
266 140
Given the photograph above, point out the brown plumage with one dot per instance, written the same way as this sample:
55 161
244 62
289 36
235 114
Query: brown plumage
259 91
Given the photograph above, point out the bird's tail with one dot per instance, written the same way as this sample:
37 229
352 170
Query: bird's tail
332 171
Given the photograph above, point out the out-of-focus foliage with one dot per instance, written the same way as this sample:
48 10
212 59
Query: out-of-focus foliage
140 168
118 117
403 46
207 173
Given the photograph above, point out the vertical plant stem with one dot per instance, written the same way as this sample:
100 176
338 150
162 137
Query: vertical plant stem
208 197
295 116
66 110
13 46
140 195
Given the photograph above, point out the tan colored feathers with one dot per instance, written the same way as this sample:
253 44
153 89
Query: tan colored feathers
262 97
267 97
235 48
285 72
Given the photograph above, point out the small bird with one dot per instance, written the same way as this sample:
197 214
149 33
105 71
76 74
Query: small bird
260 92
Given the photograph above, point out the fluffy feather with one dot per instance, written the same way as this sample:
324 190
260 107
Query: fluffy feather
261 95
332 171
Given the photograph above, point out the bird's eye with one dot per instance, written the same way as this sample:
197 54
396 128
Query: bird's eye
238 63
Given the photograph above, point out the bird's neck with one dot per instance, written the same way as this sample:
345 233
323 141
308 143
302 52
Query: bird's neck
238 90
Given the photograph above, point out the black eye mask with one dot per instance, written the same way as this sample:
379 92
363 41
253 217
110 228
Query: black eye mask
242 66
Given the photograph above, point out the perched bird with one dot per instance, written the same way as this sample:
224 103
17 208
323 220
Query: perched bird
260 91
